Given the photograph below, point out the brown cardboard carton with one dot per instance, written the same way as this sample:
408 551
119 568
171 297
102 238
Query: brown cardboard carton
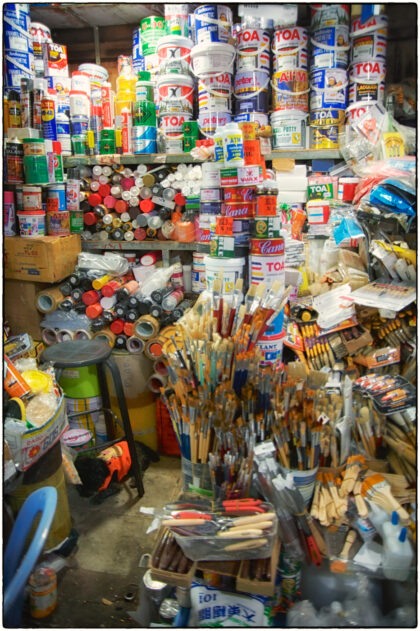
19 307
44 259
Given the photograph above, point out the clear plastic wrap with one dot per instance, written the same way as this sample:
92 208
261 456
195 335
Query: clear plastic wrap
109 262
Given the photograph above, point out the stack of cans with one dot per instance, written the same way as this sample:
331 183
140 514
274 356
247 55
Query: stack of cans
19 54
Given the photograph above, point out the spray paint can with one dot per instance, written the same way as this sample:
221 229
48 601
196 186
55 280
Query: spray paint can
48 118
14 161
26 101
124 122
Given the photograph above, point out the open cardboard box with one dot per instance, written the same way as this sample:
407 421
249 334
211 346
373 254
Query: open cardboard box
173 578
262 588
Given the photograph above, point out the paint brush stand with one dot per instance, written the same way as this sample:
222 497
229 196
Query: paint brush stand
196 477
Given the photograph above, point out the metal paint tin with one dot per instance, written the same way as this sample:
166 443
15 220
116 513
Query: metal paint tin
244 210
251 91
288 129
239 195
213 23
210 208
290 90
329 89
326 117
48 118
267 247
266 228
368 39
152 30
367 81
210 195
58 223
324 137
56 196
290 48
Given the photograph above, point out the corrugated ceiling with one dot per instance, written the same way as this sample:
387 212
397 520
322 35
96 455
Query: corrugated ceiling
69 15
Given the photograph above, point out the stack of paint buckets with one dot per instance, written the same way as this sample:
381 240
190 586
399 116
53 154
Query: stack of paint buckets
266 262
290 87
367 70
213 58
328 76
41 35
174 84
19 57
253 67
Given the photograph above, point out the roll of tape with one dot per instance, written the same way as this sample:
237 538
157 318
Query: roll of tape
146 327
49 336
65 335
49 299
135 344
83 334
107 335
156 382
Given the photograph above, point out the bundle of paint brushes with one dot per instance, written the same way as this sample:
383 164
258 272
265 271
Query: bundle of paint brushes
215 374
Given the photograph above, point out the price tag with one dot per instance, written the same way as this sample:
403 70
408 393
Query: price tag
224 226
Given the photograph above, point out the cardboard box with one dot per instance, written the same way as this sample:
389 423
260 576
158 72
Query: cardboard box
44 259
262 588
19 307
173 578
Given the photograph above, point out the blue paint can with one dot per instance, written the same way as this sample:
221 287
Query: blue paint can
79 125
251 91
213 23
329 89
18 14
17 38
144 132
145 146
57 192
210 208
330 47
48 119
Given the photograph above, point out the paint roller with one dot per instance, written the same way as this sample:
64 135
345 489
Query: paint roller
49 299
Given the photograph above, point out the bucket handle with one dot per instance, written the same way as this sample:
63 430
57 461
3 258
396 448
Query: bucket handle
252 94
161 132
214 92
343 49
295 49
205 18
369 29
179 58
360 104
331 90
380 80
209 75
258 51
276 89
18 28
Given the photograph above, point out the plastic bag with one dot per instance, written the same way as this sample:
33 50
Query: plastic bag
109 262
302 614
362 611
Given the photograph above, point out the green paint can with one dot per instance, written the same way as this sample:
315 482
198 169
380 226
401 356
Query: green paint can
76 222
189 143
107 147
190 128
36 169
144 113
151 31
78 143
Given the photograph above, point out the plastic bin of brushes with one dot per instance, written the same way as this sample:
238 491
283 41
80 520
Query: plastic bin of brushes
196 477
210 546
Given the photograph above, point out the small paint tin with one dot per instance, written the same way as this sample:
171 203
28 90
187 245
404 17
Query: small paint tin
329 89
239 195
267 247
152 29
244 210
213 23
144 146
347 188
32 198
58 223
56 197
34 147
210 195
144 132
210 208
326 117
266 228
324 137
42 592
241 176
32 224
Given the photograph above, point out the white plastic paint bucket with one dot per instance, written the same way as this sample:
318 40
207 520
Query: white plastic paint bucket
358 109
368 39
290 48
175 93
253 49
213 23
229 270
174 53
215 93
329 15
271 347
329 89
251 91
367 81
266 269
212 59
259 118
80 82
209 121
172 132
290 90
198 273
289 130
330 46
32 224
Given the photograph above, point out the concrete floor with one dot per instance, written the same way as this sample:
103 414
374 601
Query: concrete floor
105 563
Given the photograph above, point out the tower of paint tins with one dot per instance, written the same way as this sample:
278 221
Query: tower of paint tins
18 45
289 83
175 82
368 38
328 73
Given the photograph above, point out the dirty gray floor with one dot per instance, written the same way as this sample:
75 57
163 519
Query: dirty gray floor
105 564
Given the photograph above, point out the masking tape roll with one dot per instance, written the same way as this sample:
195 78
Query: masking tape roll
107 335
82 334
49 299
65 335
49 336
160 368
135 344
146 327
156 382
153 349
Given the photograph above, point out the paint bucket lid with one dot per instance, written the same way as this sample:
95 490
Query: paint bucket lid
38 381
212 47
94 70
178 40
77 437
27 213
175 79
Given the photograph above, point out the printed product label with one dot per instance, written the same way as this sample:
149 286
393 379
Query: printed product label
266 205
326 117
222 246
321 191
289 134
234 149
324 137
267 228
239 194
238 210
267 247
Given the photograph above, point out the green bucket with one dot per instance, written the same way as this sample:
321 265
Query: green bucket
80 383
